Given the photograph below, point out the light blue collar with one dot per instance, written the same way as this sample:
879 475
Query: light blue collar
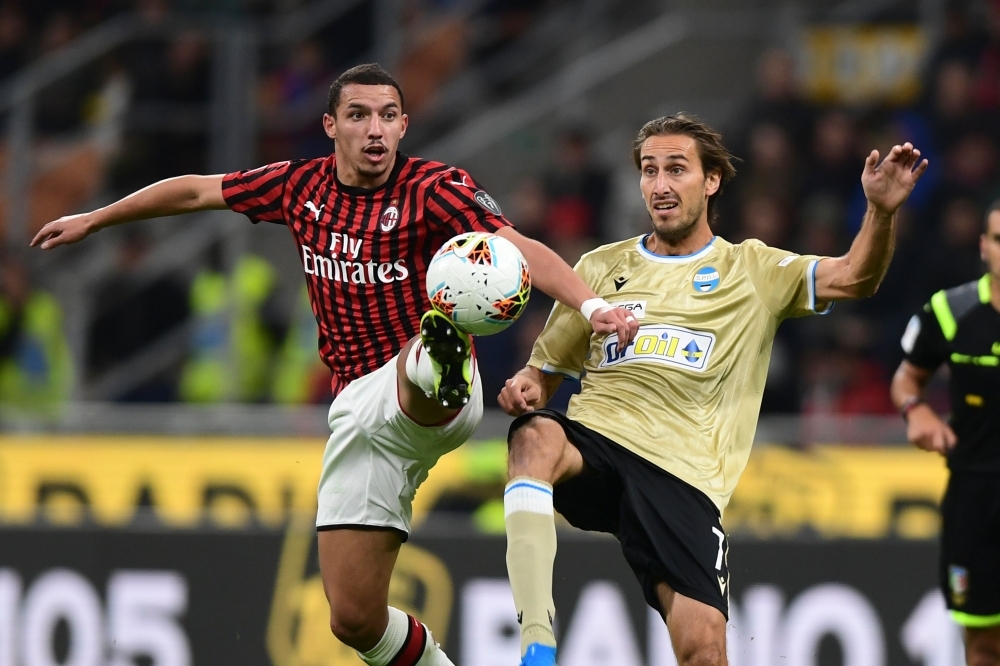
674 259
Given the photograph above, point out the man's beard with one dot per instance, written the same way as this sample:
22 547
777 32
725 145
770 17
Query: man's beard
372 171
683 229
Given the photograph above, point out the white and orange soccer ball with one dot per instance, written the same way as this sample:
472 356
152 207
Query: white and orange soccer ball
480 281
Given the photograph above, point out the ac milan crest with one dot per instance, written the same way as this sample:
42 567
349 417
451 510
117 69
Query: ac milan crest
389 219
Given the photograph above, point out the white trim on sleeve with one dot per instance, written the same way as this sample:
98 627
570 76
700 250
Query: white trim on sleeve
811 286
550 369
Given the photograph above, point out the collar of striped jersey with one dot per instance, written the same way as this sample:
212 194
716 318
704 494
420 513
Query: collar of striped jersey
674 259
356 191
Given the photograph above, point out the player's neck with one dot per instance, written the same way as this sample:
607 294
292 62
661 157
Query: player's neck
348 174
699 238
995 292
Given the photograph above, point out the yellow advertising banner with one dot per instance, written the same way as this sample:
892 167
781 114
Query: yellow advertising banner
862 64
830 491
105 479
839 491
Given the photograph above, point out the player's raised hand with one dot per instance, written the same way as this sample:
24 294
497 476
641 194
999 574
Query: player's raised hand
887 185
65 230
520 394
927 431
615 320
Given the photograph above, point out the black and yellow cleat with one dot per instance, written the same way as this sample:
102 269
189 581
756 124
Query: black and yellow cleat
450 352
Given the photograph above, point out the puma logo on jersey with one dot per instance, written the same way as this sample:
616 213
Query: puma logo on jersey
460 182
315 211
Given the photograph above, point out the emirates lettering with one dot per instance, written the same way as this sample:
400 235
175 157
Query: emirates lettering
355 272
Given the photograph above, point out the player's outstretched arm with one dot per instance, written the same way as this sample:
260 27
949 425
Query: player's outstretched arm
557 279
924 428
858 273
528 390
173 196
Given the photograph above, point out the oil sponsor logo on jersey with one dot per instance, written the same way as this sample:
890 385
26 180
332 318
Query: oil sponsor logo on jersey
663 344
706 279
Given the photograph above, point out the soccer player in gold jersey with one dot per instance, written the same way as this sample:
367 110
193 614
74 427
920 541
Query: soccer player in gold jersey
653 446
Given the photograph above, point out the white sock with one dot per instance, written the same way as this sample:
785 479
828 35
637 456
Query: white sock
419 368
392 639
433 654
408 638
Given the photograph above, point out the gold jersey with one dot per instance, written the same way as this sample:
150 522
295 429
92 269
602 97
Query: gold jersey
686 393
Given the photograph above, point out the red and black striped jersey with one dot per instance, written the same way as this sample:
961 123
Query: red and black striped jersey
364 251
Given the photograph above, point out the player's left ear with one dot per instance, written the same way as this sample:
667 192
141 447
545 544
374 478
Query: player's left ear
404 123
330 126
713 180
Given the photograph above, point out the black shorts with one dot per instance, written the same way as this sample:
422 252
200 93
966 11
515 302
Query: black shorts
669 531
970 547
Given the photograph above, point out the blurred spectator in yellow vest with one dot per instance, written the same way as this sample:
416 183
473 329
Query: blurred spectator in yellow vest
36 371
300 376
233 342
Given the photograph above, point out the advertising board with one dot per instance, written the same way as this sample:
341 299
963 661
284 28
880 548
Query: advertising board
211 597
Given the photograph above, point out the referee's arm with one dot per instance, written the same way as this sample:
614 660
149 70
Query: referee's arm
858 273
173 196
924 428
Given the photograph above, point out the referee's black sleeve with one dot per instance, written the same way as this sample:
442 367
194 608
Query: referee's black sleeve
928 348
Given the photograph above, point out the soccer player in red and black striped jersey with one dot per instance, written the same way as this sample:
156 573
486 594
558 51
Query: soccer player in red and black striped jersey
366 221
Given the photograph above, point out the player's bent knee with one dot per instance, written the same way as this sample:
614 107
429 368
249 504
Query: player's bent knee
355 627
536 448
702 654
700 640
537 437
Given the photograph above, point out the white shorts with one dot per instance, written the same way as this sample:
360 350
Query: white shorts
377 456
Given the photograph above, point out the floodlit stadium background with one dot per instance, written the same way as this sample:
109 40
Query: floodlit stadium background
162 407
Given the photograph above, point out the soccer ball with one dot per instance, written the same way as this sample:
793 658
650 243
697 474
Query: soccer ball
480 281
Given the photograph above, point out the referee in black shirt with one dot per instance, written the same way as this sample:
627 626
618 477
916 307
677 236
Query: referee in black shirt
961 327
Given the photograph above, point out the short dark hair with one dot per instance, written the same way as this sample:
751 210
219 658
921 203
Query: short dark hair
368 74
994 207
713 155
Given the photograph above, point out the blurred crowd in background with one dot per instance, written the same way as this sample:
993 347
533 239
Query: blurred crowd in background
798 187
